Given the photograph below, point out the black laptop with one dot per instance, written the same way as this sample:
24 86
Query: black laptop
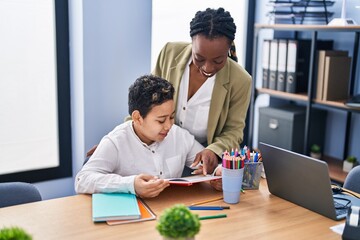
304 181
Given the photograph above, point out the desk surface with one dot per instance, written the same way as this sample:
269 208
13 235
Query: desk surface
259 215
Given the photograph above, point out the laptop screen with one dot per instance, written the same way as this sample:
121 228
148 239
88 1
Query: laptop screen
299 179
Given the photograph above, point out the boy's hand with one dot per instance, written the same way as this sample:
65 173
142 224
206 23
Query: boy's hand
148 186
209 162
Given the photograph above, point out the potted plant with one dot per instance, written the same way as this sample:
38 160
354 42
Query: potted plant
179 223
349 163
14 233
315 151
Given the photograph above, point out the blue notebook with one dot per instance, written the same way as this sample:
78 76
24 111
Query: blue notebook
114 206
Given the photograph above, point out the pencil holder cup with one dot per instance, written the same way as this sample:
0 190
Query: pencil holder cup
231 184
252 174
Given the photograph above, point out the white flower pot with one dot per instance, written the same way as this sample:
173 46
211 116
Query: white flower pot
347 166
315 155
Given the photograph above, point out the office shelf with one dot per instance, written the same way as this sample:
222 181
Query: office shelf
306 28
300 11
307 98
284 95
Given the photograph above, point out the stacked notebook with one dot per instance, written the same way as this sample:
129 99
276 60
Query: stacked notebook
119 208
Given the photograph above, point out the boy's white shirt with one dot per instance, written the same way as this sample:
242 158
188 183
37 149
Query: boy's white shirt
121 155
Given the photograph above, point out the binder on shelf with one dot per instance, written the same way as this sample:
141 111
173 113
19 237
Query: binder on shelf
281 70
273 63
299 52
336 78
297 72
265 63
321 69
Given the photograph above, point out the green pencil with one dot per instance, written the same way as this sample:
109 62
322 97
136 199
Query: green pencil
213 216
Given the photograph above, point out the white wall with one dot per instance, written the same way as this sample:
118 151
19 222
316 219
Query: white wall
110 44
178 28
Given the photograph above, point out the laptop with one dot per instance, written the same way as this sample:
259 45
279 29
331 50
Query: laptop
304 181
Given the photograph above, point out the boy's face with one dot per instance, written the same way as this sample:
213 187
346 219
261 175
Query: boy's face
157 123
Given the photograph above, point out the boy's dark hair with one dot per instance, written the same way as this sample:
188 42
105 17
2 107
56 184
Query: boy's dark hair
213 23
148 91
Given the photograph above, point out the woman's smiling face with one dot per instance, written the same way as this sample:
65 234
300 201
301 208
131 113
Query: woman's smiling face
209 55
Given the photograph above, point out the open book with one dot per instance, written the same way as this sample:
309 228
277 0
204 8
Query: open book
187 181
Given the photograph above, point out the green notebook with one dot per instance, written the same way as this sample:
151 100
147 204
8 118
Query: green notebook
114 206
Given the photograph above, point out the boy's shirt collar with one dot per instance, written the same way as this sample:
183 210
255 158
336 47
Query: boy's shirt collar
152 146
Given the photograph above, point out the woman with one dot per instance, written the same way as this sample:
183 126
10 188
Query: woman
212 91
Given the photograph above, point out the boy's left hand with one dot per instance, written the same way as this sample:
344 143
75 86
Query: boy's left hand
208 159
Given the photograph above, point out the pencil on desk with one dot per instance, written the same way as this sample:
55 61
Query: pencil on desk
207 201
213 216
208 207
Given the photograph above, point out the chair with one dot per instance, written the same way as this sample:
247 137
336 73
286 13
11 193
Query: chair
14 193
352 180
89 154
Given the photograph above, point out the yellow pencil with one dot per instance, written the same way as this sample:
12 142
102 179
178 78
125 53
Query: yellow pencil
207 201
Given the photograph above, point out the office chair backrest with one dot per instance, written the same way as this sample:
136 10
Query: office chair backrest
14 193
352 181
90 153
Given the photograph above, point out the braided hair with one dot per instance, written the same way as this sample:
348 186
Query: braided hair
213 23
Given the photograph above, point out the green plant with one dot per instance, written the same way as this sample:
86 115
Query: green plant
178 222
315 148
351 159
14 233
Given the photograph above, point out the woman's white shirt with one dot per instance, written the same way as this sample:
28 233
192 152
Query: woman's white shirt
193 115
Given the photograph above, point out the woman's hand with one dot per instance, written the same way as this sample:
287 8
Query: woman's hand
148 186
208 159
217 184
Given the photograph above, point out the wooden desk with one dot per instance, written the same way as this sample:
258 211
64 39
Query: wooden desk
259 215
335 169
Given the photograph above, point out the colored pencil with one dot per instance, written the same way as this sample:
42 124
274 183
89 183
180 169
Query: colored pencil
213 216
207 201
208 207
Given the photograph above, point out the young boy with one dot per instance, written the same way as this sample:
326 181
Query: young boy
138 155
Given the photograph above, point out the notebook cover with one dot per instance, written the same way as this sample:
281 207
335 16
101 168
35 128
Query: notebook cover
114 206
146 215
